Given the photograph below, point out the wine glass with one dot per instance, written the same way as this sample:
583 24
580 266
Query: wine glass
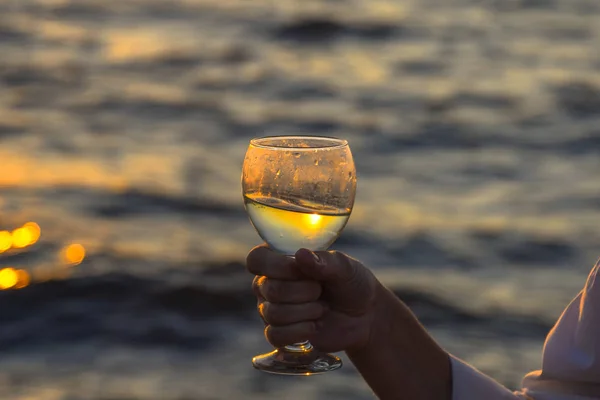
298 192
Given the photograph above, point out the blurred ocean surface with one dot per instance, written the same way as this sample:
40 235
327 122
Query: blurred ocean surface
123 125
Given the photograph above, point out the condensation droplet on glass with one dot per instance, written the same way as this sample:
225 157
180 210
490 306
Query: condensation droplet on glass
278 172
316 162
297 155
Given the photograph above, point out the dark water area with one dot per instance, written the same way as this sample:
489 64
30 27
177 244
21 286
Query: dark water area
123 126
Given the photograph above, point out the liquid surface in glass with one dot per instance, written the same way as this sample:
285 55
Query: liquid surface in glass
290 225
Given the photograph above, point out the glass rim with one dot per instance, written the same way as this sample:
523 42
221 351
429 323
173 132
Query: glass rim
338 143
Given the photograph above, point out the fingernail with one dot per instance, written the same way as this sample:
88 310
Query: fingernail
316 257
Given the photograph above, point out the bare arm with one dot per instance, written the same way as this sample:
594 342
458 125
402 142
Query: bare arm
338 304
401 360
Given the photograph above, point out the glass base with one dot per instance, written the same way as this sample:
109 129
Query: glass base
286 361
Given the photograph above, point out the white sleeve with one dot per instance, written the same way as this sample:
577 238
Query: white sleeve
470 384
570 361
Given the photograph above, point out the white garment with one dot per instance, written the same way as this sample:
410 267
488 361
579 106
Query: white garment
570 362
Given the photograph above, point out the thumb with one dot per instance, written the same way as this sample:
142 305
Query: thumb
328 266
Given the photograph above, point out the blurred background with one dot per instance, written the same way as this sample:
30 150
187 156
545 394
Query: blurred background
123 126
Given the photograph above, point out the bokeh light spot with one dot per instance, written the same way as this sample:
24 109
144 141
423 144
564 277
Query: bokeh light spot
5 241
8 278
73 254
21 237
23 279
34 232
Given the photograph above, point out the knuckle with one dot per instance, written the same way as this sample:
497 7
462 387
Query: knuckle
337 256
347 268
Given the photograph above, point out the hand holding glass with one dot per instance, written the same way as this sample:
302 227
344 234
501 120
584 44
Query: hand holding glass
298 192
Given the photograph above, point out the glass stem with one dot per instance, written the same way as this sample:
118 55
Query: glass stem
301 347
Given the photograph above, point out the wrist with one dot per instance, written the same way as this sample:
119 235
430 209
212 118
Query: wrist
378 322
400 355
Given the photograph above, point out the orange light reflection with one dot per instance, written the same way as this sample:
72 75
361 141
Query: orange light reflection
34 232
8 278
314 219
5 241
21 237
23 279
27 235
73 254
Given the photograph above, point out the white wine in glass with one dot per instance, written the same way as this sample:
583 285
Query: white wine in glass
299 192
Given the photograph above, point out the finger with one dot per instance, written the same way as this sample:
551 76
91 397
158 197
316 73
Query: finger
263 261
280 336
256 284
287 314
328 266
277 291
260 305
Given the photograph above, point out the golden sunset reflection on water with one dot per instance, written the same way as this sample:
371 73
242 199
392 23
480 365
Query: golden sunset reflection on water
26 235
8 278
34 232
23 237
20 238
23 279
11 278
73 254
5 241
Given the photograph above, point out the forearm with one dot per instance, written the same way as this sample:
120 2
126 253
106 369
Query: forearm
401 360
